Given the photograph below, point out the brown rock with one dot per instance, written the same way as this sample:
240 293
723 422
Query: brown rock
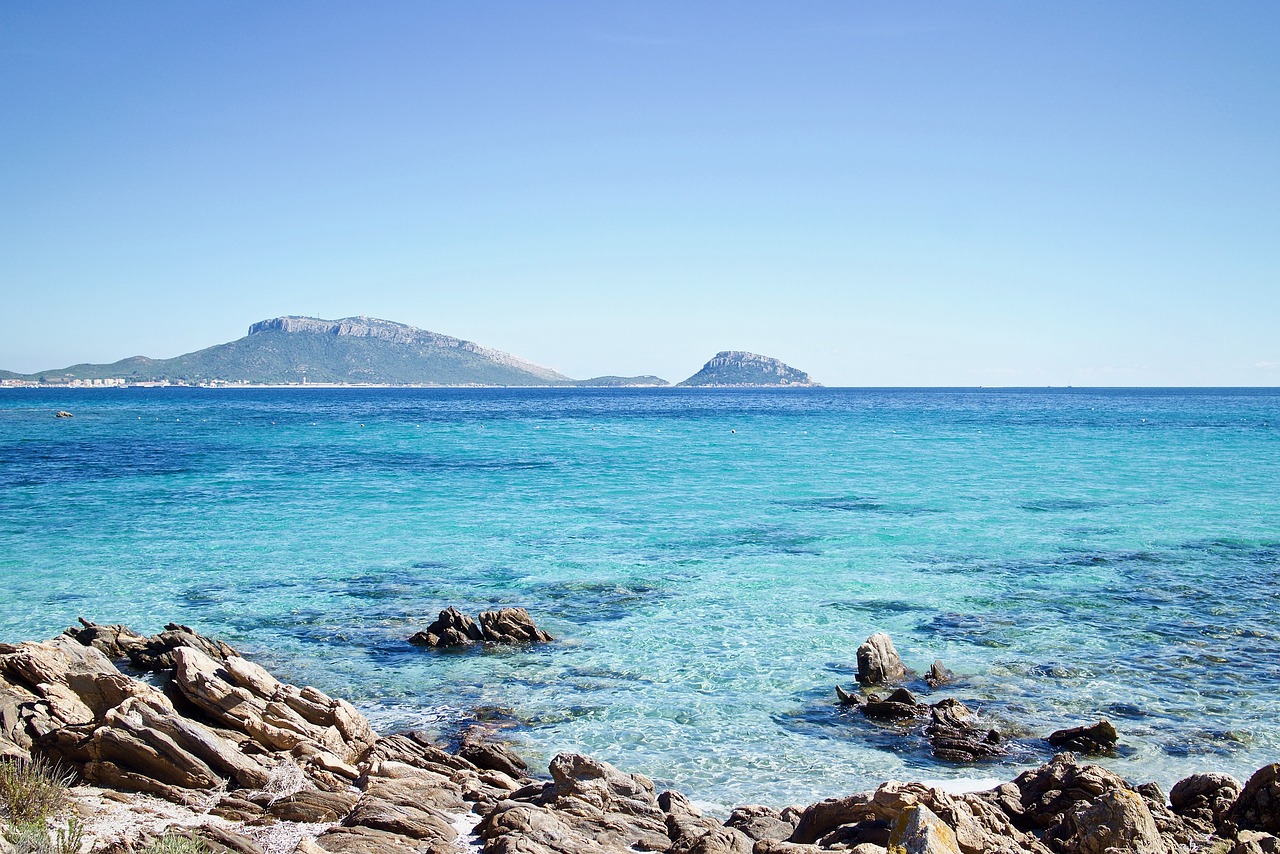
219 840
1118 820
1258 806
414 822
113 641
938 675
900 705
878 661
493 756
511 626
156 652
1205 799
1090 740
956 735
760 822
451 628
313 806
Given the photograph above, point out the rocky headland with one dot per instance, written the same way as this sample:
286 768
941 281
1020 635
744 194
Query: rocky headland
177 735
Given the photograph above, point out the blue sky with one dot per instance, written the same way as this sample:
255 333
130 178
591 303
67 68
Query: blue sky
878 193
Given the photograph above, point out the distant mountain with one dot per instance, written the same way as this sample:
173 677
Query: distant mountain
738 368
350 350
621 382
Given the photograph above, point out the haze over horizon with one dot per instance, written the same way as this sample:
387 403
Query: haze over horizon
877 194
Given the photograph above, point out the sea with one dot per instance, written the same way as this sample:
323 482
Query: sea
708 560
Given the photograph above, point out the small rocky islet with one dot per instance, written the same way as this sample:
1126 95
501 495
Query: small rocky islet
203 742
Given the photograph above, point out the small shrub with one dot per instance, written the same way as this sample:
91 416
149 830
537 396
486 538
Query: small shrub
176 843
36 838
285 780
32 790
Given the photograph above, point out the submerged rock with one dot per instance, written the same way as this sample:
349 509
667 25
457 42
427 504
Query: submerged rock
938 675
878 661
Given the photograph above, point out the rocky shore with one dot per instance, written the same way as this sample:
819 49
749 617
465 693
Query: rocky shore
202 743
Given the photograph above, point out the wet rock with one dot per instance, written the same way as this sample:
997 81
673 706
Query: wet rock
955 734
898 706
451 628
760 822
1118 820
1258 806
511 626
1090 740
938 676
919 831
847 699
878 661
1205 799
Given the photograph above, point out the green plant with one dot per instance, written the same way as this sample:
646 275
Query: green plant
36 838
176 843
32 790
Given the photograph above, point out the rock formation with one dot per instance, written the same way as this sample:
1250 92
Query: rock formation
878 662
505 626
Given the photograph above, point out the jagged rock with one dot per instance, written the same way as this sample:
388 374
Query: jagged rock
1254 842
1046 794
878 661
817 820
1258 806
955 734
761 822
1089 740
919 831
900 705
511 626
1205 799
1116 821
588 805
114 641
157 652
847 699
492 756
451 628
938 675
693 833
242 696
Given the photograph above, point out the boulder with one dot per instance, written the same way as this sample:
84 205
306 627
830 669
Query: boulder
451 628
1205 799
761 822
511 626
1090 740
878 661
1045 795
1258 806
919 831
1116 821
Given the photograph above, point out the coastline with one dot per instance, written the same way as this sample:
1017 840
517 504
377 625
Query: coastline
223 750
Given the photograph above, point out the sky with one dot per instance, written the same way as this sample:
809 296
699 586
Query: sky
879 193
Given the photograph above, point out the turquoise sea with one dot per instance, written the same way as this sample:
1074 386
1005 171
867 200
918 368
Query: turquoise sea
710 559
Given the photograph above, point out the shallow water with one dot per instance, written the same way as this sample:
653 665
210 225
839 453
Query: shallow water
711 560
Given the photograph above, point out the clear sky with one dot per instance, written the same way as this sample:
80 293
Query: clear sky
891 193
